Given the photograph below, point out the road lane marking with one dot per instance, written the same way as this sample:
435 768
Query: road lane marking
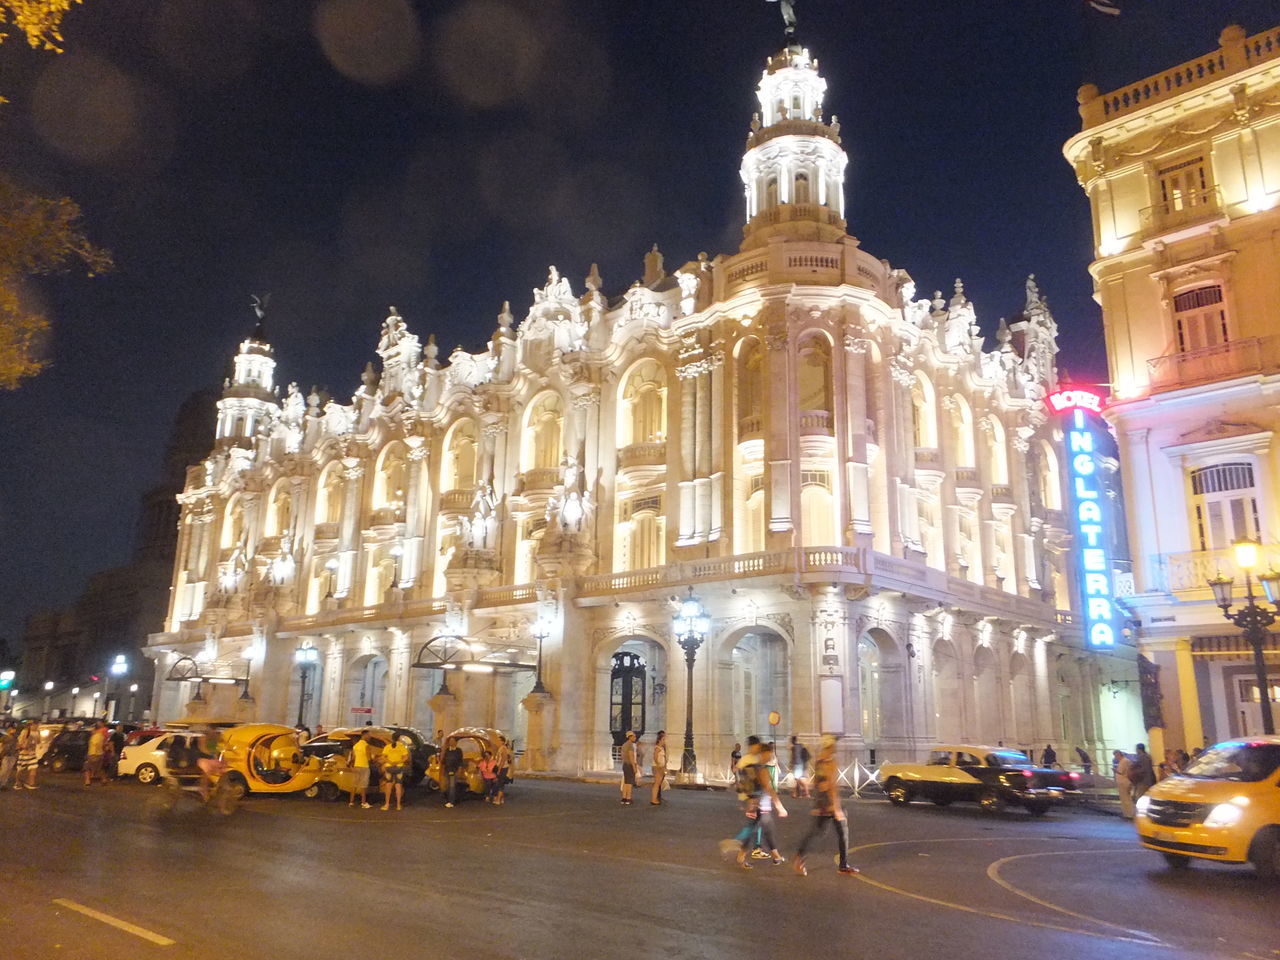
994 915
116 922
993 871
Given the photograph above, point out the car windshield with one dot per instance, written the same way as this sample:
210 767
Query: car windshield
1008 758
1236 760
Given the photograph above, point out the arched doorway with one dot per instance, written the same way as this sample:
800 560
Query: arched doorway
882 697
870 691
366 691
1023 684
306 685
986 696
631 676
759 683
948 710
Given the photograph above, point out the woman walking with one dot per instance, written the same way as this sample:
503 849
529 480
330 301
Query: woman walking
503 760
1120 760
27 740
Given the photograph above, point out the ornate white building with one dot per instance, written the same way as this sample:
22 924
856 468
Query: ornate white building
868 504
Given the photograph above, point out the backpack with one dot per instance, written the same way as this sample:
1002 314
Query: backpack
804 755
746 781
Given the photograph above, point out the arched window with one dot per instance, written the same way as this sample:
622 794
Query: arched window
924 419
458 471
542 444
962 431
997 450
750 384
279 519
1200 319
642 533
869 689
389 481
642 412
771 192
817 510
1050 479
1225 501
814 355
233 523
802 194
329 495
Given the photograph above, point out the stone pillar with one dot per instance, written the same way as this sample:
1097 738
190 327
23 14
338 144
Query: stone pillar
398 679
445 708
349 578
415 512
539 707
331 705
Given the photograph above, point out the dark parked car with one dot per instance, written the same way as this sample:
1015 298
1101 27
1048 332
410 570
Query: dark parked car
993 776
67 751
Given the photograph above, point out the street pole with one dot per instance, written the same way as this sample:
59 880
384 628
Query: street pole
689 760
1252 619
1257 637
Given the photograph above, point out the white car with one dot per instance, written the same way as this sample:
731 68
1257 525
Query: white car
149 762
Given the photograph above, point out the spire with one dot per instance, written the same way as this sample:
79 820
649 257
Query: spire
259 334
793 169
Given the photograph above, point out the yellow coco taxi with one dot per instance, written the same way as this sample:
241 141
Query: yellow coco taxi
267 758
1225 806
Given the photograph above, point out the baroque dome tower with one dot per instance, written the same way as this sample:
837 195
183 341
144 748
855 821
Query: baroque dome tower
793 169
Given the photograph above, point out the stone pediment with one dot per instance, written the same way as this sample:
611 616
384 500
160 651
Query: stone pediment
1220 430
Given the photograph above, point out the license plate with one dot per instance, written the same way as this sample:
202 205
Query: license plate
1163 836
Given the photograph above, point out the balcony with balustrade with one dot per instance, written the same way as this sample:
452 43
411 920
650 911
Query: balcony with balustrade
539 480
1223 361
642 455
1189 572
1181 212
816 423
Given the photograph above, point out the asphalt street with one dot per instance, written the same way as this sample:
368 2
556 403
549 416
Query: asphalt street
563 870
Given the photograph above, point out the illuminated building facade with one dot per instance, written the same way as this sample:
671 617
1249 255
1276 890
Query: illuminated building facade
1182 171
867 503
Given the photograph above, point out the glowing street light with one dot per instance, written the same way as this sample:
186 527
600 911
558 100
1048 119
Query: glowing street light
691 628
1252 618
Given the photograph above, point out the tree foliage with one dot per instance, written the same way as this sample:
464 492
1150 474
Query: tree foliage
40 21
38 236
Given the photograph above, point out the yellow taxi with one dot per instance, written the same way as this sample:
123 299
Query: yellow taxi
473 742
1225 806
266 758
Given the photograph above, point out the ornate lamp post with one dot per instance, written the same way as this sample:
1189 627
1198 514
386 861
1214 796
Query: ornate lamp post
541 629
1251 618
305 658
691 627
48 694
75 693
118 668
331 568
133 699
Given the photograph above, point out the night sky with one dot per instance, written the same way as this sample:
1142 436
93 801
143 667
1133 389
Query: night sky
438 155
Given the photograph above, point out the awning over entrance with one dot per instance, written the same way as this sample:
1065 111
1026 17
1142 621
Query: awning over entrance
1232 645
453 652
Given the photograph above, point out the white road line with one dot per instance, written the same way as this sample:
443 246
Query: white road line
116 922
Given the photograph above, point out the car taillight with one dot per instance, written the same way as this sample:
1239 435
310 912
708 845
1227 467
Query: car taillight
1028 774
1074 776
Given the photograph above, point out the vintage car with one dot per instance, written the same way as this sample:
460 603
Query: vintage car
995 777
267 758
148 762
67 750
473 741
1225 807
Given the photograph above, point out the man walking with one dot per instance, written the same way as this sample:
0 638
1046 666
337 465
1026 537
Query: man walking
8 755
630 765
659 767
28 738
1050 756
826 809
360 772
1142 772
450 765
761 802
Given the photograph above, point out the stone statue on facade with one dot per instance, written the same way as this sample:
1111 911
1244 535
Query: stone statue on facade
393 330
788 10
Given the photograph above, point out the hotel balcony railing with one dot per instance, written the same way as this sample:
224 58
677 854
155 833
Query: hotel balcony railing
967 477
642 455
1182 572
815 423
1222 362
1182 211
750 427
327 530
1001 493
929 457
386 516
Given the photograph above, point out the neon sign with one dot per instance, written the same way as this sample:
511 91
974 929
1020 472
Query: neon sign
1094 552
1074 399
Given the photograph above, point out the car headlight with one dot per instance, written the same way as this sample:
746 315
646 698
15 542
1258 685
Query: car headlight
1224 815
1141 806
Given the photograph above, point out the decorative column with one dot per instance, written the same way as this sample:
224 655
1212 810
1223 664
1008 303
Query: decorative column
348 574
414 512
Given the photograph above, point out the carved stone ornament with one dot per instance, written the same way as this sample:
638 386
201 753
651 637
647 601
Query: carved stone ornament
901 370
695 369
776 341
855 343
587 399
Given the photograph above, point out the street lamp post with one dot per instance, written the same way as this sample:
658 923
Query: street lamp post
48 694
331 568
119 667
541 630
133 697
305 658
691 627
1252 618
75 693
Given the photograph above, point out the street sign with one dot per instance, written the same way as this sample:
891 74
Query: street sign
775 718
6 679
368 710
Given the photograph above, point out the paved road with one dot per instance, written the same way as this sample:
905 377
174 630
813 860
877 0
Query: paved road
562 870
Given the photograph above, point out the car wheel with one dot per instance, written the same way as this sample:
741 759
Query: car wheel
58 764
329 791
1037 808
147 774
942 801
431 785
1178 861
991 801
899 793
1264 853
237 785
312 792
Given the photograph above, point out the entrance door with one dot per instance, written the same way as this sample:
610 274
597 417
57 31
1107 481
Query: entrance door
1249 706
626 696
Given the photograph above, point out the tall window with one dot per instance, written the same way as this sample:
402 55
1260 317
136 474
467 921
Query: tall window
642 533
802 188
626 696
962 431
642 415
1182 185
1225 503
924 423
815 374
1200 319
233 523
459 467
329 498
997 452
750 383
542 434
279 512
389 484
817 509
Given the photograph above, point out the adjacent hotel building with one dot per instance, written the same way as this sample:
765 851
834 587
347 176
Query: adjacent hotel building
1182 171
867 507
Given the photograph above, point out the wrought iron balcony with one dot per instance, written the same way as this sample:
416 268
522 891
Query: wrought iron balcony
1221 362
1181 211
